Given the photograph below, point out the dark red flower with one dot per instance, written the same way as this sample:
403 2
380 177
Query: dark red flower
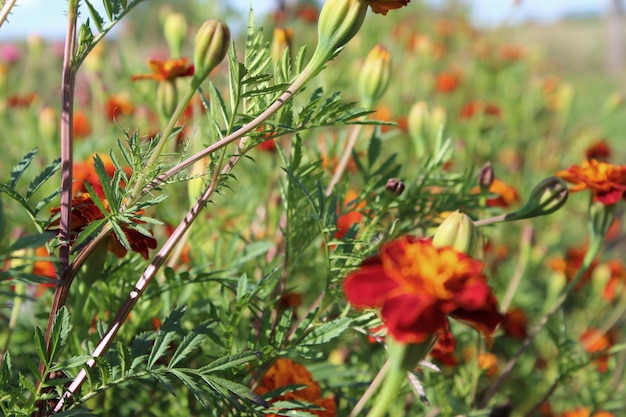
417 285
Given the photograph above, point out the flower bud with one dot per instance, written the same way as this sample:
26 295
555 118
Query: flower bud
416 123
212 42
175 31
339 21
457 230
601 217
395 186
485 178
547 197
281 42
167 99
375 75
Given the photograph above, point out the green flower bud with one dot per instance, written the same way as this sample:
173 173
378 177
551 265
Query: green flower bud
167 99
339 21
375 75
417 121
457 230
547 197
212 42
175 31
601 217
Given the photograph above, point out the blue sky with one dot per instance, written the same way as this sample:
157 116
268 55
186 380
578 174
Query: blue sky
47 17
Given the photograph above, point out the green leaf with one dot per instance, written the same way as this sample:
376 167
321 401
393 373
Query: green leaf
42 177
327 331
230 361
166 334
8 190
192 385
97 19
59 333
242 287
21 166
40 346
31 241
189 343
70 363
241 391
46 200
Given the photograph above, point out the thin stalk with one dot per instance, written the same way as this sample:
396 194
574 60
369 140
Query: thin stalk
592 251
6 9
345 159
369 392
524 257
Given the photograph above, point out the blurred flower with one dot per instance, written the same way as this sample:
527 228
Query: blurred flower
23 100
600 150
488 362
375 75
352 216
447 82
175 31
506 195
417 285
512 53
119 104
473 108
383 114
285 372
94 60
281 42
585 412
606 182
307 13
383 6
617 278
81 126
44 269
571 263
597 344
85 211
166 70
10 53
515 323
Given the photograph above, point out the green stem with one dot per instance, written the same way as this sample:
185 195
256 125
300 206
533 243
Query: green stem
15 311
393 382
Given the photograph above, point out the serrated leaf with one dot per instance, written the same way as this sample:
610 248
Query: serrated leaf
97 19
27 384
40 346
59 333
42 177
21 166
241 391
31 241
189 343
70 363
46 200
5 188
327 332
242 286
192 385
229 361
166 334
165 382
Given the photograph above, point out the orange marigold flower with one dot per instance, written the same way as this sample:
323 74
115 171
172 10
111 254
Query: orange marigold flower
44 269
166 70
118 105
85 172
598 344
81 127
585 412
383 6
24 100
346 220
447 82
506 195
515 323
416 285
600 150
85 211
488 362
285 372
606 182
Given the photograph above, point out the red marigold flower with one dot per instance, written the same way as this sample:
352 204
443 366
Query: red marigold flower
383 6
447 82
24 100
166 70
417 285
478 107
571 263
507 195
606 182
617 278
600 150
345 221
443 351
307 13
515 323
85 211
285 372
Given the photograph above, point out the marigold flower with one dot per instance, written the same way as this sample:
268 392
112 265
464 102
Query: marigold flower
24 100
383 6
44 269
506 195
600 150
617 278
515 323
81 127
85 172
285 372
571 263
346 220
606 182
85 211
118 105
443 351
166 70
475 107
597 344
447 82
488 362
417 285
585 412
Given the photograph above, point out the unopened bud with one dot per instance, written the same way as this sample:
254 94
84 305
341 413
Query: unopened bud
375 75
601 217
167 99
212 42
395 186
547 197
458 231
175 31
281 42
485 178
339 21
416 123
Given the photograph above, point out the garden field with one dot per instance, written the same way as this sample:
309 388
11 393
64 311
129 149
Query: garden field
352 208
